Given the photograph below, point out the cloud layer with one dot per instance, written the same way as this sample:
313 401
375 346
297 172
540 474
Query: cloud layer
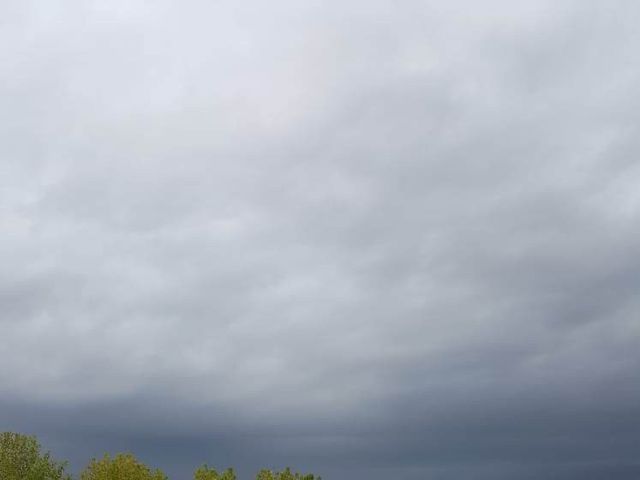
367 239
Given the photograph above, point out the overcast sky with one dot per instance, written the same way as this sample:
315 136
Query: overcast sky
368 239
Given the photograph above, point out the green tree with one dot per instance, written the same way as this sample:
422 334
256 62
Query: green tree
123 466
286 474
21 459
208 473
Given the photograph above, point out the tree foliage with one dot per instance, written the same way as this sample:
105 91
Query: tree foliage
123 466
286 474
21 459
208 473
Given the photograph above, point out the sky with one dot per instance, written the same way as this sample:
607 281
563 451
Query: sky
364 239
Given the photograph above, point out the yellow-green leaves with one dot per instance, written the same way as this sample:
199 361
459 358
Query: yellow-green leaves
123 466
286 474
208 473
21 459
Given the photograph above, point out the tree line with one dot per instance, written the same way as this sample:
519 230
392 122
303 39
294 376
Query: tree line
22 458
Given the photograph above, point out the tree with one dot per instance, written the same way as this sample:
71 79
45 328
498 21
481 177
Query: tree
208 473
286 474
123 466
21 459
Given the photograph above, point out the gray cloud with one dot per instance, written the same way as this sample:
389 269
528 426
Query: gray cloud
363 239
